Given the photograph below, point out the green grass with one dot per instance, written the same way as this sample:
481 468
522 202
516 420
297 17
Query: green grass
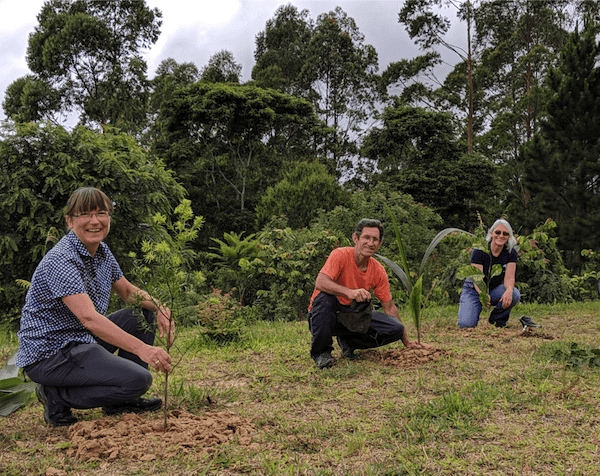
498 403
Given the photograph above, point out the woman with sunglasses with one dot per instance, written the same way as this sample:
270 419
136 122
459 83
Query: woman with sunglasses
66 339
503 294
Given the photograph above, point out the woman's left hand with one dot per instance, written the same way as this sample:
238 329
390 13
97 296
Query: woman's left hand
506 299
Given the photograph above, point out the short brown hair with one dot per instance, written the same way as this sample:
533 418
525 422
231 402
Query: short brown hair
86 199
369 223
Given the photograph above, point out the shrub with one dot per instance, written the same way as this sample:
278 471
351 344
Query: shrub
292 261
221 317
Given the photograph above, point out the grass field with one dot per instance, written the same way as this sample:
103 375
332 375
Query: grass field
496 402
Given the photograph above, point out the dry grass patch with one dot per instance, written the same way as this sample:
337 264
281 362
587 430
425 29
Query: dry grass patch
487 401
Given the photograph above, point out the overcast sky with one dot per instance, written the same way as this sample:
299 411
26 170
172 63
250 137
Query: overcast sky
194 30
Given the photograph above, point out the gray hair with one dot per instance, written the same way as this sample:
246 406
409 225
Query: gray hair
511 243
369 223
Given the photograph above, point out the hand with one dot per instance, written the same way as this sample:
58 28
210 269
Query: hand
166 325
359 295
506 299
415 345
157 358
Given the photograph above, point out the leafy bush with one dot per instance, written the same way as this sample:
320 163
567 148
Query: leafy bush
237 258
293 258
221 317
42 165
541 274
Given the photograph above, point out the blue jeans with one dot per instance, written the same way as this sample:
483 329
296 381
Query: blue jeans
323 324
469 307
90 375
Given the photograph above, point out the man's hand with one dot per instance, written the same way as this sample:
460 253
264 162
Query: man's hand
165 324
359 295
415 345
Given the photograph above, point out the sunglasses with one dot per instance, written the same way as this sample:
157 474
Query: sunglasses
503 233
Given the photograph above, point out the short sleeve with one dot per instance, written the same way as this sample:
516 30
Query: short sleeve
63 278
382 290
334 265
479 257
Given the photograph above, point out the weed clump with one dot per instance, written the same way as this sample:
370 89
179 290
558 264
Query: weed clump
221 317
573 355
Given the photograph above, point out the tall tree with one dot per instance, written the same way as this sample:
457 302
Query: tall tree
222 68
281 50
430 29
340 72
229 143
562 166
90 53
418 154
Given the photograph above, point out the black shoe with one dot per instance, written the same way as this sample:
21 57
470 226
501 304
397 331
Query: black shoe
324 360
527 322
496 323
347 351
58 416
139 405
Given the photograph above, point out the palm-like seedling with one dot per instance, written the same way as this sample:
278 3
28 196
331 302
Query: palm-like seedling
415 291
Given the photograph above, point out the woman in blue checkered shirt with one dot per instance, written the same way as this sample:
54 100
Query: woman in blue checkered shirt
66 339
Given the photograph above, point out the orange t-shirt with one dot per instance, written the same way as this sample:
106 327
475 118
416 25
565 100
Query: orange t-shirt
341 268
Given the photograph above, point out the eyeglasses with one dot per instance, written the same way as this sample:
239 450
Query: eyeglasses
88 216
503 233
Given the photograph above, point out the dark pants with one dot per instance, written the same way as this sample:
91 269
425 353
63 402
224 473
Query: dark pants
91 375
323 324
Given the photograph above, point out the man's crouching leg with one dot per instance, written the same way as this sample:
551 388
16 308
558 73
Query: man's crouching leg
322 319
383 330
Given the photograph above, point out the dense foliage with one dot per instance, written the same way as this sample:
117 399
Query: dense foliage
42 165
283 166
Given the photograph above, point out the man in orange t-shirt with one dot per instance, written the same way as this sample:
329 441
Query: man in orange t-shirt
352 274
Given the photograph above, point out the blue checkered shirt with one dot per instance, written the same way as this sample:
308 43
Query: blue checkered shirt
47 324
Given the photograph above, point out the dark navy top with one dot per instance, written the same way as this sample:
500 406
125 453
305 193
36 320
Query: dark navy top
487 260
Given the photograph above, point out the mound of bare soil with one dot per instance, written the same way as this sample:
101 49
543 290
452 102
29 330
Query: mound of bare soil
405 358
144 438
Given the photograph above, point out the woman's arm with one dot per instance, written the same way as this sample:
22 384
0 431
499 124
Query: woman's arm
509 284
81 305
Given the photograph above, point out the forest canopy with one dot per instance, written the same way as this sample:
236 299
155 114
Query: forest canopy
319 131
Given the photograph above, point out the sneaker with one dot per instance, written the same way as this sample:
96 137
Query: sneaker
139 405
59 416
347 351
324 360
527 322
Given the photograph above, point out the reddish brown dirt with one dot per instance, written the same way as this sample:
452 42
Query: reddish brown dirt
136 437
405 358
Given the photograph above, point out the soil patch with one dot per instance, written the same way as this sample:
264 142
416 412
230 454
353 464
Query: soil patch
139 438
405 358
536 334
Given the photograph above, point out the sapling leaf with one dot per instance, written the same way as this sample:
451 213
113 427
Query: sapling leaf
468 271
398 271
496 271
